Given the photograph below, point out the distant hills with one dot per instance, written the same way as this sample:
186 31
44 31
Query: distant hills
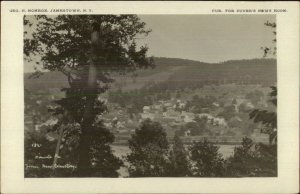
261 71
252 71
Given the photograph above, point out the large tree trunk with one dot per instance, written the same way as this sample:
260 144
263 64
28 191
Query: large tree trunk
84 162
86 126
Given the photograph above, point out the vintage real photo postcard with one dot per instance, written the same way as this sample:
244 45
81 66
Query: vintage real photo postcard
150 97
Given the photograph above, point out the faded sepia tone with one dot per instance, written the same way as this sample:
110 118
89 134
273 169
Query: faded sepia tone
198 101
13 68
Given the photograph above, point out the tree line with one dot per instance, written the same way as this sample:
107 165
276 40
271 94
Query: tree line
151 155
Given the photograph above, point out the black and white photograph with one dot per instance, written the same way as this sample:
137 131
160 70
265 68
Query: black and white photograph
150 96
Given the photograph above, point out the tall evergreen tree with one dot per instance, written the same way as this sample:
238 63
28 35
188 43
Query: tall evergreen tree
179 162
242 162
253 160
206 160
149 151
87 49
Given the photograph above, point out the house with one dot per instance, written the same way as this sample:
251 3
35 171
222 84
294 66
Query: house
181 105
147 116
168 104
220 122
170 108
236 118
216 104
188 119
187 116
146 109
157 107
120 124
208 116
161 101
171 114
187 133
249 105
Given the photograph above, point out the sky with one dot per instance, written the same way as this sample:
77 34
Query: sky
206 38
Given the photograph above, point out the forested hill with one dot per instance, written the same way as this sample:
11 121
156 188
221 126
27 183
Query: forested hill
254 71
261 71
175 61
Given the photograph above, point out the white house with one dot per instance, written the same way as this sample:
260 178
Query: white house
220 122
187 117
250 105
146 109
216 104
147 116
187 133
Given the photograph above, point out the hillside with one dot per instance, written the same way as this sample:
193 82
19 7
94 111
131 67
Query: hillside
254 71
261 71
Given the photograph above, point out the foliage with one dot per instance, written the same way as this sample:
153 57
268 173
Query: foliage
207 161
179 164
268 119
244 72
228 112
103 161
258 160
136 99
242 123
149 150
63 41
267 159
67 43
254 71
243 108
253 160
242 162
195 128
255 96
271 49
199 104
